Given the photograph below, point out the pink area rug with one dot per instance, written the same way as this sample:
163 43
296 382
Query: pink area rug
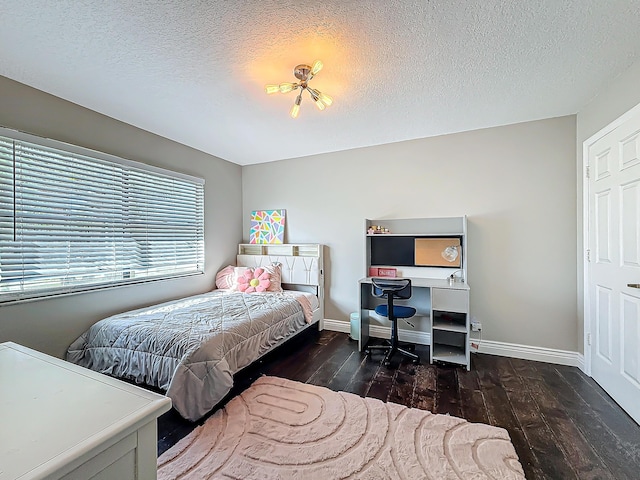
280 429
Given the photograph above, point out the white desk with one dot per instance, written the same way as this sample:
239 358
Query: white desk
445 304
59 420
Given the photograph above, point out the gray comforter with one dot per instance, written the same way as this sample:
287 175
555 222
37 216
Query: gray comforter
190 347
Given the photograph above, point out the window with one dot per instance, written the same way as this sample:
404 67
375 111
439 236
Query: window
73 219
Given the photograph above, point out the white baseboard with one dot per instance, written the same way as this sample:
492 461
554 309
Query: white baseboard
503 349
337 325
528 352
581 365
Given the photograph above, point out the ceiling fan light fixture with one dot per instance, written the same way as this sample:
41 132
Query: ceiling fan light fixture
315 96
317 66
288 87
304 73
296 106
326 99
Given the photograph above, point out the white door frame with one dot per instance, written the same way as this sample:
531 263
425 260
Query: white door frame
585 226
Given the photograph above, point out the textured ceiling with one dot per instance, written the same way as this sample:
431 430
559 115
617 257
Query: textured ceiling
194 71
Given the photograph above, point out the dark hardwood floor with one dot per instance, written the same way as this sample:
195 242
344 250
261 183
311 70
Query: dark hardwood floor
562 424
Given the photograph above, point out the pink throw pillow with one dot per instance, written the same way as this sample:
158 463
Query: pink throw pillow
273 269
257 280
229 276
225 277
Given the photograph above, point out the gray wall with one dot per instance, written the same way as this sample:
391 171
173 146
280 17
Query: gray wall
611 102
51 325
517 184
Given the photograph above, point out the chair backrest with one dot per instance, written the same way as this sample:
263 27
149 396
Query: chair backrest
397 287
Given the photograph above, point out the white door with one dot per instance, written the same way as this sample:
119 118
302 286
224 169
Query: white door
614 267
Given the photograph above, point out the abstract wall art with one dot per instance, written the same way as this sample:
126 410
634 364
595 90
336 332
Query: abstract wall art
267 226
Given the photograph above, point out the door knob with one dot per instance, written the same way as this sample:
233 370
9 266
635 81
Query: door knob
633 285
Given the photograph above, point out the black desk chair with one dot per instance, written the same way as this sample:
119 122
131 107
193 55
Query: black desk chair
391 288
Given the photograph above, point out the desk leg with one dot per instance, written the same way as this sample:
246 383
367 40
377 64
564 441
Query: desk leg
364 316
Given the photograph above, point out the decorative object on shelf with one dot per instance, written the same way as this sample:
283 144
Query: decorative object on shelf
387 272
267 226
373 229
304 73
383 272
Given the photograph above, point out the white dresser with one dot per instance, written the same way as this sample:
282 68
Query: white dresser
59 420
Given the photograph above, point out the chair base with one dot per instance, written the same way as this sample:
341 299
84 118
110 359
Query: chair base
391 350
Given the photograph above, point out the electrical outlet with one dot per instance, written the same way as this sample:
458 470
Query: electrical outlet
476 326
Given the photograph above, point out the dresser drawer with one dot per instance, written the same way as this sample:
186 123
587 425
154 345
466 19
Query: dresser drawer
450 300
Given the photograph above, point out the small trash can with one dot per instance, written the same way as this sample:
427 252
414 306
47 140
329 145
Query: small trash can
354 321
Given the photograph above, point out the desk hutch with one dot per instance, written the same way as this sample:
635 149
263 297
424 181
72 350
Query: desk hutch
415 248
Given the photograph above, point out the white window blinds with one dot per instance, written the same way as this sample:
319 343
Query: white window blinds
71 222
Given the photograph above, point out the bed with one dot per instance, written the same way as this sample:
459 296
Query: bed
191 348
